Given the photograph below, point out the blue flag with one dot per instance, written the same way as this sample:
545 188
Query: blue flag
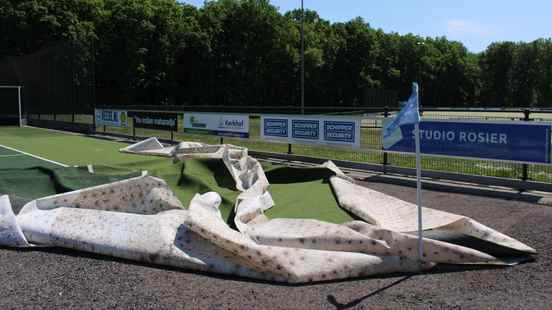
410 114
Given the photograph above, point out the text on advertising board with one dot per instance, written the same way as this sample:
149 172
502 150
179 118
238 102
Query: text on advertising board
275 127
339 131
305 129
155 120
230 125
116 118
513 141
311 129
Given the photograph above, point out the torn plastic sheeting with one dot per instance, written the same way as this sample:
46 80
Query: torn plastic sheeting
196 239
141 219
394 214
10 232
381 210
374 207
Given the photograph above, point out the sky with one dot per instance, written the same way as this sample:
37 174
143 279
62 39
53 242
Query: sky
476 23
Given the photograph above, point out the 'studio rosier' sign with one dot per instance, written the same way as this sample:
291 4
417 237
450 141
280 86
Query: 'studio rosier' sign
513 141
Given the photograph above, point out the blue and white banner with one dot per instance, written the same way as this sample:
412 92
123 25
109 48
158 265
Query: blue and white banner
219 124
116 118
513 141
311 129
409 114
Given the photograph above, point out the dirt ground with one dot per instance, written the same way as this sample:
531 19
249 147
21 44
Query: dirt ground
61 279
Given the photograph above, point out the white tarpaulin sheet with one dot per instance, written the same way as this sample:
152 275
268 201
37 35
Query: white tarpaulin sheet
141 219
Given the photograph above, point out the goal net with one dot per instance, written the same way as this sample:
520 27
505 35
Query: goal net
10 105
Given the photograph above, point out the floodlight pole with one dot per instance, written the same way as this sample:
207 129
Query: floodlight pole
19 103
302 58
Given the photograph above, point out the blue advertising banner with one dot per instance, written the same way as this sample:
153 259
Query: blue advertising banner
339 131
305 129
515 141
275 127
116 118
312 129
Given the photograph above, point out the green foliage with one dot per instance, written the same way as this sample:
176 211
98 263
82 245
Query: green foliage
517 74
244 52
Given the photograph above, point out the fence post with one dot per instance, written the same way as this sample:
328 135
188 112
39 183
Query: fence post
221 140
525 169
385 159
133 130
289 149
94 121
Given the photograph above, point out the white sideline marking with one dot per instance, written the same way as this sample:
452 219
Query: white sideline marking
34 156
12 155
55 130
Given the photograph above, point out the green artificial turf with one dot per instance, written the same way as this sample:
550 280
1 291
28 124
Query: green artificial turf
24 185
297 192
303 193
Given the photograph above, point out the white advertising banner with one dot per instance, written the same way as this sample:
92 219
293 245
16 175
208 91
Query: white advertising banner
312 129
117 118
220 124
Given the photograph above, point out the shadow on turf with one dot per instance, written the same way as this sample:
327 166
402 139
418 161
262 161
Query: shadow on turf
185 180
290 175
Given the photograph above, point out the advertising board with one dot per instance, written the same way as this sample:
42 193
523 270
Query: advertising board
108 117
155 120
311 129
220 124
512 141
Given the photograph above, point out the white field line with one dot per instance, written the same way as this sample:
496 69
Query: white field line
12 155
34 156
55 130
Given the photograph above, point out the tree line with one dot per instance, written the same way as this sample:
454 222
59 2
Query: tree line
245 52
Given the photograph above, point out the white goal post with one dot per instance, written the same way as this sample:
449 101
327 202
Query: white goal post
18 87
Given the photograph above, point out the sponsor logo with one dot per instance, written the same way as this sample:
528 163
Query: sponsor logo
305 129
335 131
197 123
275 127
218 124
231 123
111 117
163 122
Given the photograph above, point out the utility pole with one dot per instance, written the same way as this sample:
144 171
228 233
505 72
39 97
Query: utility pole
302 58
19 104
421 44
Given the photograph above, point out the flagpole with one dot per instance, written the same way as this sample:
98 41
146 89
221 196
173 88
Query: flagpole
419 189
392 134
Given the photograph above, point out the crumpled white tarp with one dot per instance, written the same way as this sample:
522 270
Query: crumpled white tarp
141 219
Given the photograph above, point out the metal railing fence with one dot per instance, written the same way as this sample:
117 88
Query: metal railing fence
370 150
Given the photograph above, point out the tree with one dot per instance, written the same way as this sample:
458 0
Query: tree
245 52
